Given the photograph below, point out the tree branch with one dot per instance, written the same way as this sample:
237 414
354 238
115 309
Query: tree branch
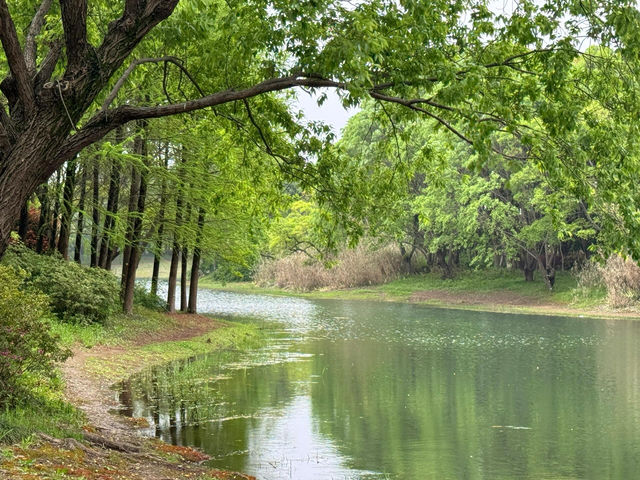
34 29
413 105
74 22
48 64
167 59
17 65
105 121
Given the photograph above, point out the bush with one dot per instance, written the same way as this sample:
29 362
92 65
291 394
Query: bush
28 351
76 293
353 268
144 298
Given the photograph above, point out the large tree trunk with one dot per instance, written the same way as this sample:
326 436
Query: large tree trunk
95 216
34 136
195 266
41 130
77 255
67 208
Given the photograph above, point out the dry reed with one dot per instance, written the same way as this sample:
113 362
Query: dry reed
355 267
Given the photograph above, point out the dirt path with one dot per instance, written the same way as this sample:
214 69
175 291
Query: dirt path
142 459
92 394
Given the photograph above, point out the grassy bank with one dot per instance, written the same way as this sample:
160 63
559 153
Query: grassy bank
49 413
487 290
225 336
105 354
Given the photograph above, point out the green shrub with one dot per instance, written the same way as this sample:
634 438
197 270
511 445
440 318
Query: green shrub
77 294
28 350
144 298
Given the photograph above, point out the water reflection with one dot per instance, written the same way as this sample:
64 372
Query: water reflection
369 390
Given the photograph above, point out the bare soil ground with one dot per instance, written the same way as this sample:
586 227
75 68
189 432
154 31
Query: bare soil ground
112 448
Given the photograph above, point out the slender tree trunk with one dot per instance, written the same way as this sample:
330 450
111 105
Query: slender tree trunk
53 234
156 266
175 254
106 247
95 216
195 266
135 250
183 279
157 256
173 278
77 255
109 221
67 208
43 224
134 190
23 225
184 263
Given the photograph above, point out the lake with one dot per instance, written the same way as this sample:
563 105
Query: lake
368 390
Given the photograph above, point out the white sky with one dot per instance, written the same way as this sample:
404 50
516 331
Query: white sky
331 112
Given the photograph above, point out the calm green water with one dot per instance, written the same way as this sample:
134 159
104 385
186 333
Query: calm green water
378 390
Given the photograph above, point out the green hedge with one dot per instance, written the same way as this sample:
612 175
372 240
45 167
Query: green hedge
77 294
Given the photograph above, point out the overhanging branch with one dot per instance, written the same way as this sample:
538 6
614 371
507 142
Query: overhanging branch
106 120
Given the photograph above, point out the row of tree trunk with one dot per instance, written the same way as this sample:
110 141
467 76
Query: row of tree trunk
53 228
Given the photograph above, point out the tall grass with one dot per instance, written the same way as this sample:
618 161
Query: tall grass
619 276
355 267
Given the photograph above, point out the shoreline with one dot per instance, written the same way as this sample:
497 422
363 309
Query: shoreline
468 300
111 446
